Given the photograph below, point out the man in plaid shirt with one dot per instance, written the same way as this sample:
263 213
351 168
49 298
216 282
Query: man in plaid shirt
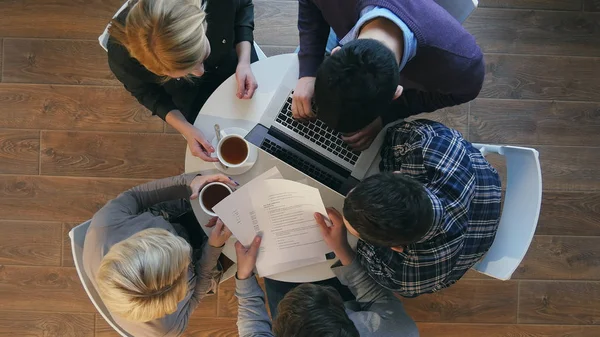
430 214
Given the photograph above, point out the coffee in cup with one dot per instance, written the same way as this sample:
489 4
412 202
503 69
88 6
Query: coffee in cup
232 150
211 195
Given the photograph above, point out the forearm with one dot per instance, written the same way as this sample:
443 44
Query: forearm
205 271
243 50
364 288
146 195
253 319
178 121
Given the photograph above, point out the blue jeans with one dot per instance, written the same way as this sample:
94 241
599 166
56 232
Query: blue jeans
332 42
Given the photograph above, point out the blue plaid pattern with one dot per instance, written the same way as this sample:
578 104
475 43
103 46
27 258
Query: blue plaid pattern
465 191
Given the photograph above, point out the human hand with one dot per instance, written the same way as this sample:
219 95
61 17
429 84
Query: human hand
361 140
335 235
245 81
302 99
200 181
198 144
246 258
220 233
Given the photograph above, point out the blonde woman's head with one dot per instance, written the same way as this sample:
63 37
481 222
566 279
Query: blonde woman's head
168 37
144 277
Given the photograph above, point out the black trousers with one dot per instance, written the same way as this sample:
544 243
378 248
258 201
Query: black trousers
276 291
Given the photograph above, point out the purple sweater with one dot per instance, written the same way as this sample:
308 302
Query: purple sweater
448 66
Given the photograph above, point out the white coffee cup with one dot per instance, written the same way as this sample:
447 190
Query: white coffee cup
223 159
202 197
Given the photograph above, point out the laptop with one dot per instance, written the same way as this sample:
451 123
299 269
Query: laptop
312 147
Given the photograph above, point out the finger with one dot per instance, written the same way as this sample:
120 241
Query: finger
240 250
335 216
241 86
218 228
205 156
205 145
251 88
222 179
253 250
212 222
320 220
295 113
226 232
353 138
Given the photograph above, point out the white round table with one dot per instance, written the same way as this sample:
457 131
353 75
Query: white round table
224 108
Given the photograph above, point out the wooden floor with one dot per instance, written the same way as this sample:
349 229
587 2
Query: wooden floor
72 138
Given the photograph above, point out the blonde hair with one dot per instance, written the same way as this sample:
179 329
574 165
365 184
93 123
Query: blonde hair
145 276
164 35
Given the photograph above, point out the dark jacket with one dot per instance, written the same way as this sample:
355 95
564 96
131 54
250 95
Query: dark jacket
448 65
228 23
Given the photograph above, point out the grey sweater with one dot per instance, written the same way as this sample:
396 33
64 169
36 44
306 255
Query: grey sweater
124 216
375 313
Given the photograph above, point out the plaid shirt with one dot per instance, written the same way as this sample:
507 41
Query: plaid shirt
465 191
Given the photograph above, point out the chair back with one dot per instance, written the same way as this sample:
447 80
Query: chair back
77 236
459 9
103 39
520 213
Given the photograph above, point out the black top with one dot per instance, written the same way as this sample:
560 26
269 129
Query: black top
228 23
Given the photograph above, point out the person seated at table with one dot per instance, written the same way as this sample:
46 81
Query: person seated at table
148 258
172 55
310 310
397 59
431 213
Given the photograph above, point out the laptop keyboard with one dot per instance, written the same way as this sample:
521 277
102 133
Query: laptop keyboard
308 169
318 133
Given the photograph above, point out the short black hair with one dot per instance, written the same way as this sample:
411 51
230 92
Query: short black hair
356 84
389 209
311 310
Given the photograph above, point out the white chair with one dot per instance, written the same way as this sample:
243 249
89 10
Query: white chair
103 39
520 212
77 236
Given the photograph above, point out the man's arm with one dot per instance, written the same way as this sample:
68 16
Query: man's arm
313 32
361 284
253 319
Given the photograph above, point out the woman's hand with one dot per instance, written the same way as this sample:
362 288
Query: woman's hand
246 258
220 233
245 81
200 181
198 144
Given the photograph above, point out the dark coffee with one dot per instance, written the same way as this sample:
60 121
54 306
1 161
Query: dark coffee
213 195
234 150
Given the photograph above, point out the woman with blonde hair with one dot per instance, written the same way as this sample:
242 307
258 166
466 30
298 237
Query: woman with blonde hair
148 258
171 55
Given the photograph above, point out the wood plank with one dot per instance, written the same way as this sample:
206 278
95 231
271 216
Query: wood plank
276 22
19 152
277 50
536 32
67 254
54 289
206 327
227 305
67 107
528 77
455 117
105 154
591 5
559 302
32 324
467 301
78 19
57 198
525 122
512 330
567 5
56 62
570 213
561 258
1 57
30 243
563 168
